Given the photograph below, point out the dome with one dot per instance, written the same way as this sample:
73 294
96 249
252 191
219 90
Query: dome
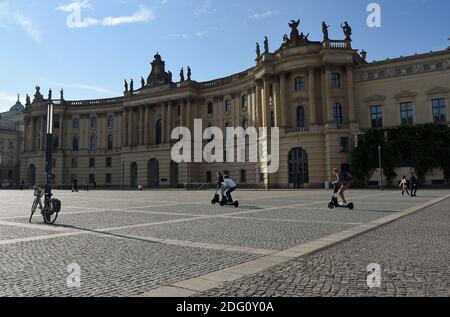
18 107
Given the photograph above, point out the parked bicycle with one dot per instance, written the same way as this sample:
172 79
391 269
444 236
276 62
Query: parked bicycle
49 208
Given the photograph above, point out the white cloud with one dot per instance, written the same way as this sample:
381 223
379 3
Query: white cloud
11 17
203 9
79 4
7 99
263 15
142 15
179 35
201 33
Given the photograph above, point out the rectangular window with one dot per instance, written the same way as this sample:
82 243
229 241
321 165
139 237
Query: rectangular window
336 80
108 179
209 177
406 113
56 124
76 123
376 116
91 178
245 102
228 105
299 84
110 121
92 162
210 108
243 176
108 162
345 145
439 110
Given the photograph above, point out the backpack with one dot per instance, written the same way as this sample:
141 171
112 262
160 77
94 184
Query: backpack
348 177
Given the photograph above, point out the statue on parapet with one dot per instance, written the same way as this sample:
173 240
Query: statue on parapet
28 100
258 51
61 92
189 73
294 32
142 82
169 73
182 74
325 31
126 85
347 31
266 45
131 86
50 92
38 96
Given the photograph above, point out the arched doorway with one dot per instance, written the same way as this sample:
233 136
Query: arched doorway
298 168
32 175
153 173
133 175
173 174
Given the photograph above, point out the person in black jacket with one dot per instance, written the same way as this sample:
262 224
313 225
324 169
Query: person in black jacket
414 184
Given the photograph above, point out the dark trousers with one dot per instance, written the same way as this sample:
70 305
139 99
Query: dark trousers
414 190
229 191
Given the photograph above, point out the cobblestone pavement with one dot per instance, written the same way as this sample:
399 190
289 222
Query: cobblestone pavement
130 243
414 255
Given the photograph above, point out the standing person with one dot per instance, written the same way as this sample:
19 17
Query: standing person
22 185
414 185
342 184
404 186
75 185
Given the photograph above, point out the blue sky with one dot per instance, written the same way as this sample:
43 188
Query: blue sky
116 39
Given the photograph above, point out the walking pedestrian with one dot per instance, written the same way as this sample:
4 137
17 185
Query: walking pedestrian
414 185
404 186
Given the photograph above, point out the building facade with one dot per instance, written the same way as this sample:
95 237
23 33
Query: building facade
321 94
11 145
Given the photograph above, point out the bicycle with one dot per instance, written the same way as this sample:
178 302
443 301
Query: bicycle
49 209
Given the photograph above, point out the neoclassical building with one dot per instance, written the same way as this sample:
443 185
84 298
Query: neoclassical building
321 94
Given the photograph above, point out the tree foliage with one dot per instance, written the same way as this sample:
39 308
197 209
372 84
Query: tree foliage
423 147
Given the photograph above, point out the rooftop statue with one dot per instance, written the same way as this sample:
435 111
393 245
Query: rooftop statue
61 92
50 94
266 45
294 26
142 82
28 100
182 74
258 51
38 96
189 73
131 85
126 85
325 31
347 31
158 75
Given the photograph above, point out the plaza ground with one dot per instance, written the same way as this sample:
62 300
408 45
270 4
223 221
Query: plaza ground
175 243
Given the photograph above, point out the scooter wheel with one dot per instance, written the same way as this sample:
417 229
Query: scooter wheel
236 204
213 201
351 206
222 204
331 205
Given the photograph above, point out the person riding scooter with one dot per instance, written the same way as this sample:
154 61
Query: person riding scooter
341 184
230 186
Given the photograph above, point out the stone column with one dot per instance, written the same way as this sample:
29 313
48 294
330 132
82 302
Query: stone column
130 127
276 103
61 132
328 96
182 113
163 123
266 104
169 122
350 98
125 127
312 98
141 125
43 133
146 125
258 107
283 106
237 109
32 130
188 113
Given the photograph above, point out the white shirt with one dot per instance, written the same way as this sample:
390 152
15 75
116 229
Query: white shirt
229 183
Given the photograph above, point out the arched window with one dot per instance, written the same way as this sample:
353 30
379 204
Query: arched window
75 144
337 114
158 133
110 142
301 117
110 121
94 143
94 123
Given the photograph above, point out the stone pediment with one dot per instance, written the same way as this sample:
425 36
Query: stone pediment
437 90
406 94
375 98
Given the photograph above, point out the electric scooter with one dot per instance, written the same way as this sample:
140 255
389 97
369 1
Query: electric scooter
335 202
224 201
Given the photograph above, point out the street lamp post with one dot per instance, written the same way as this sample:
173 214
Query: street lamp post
380 166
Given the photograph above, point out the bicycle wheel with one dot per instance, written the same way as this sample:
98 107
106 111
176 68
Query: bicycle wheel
33 209
51 211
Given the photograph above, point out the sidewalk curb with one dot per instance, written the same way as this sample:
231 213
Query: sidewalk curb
193 287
